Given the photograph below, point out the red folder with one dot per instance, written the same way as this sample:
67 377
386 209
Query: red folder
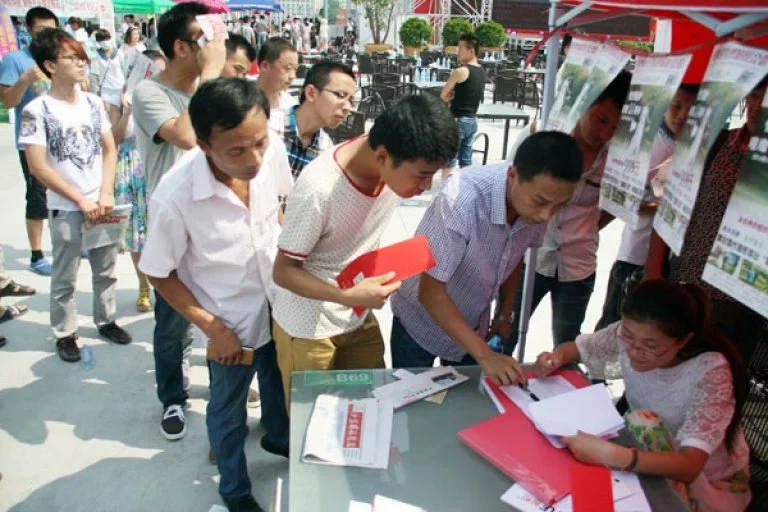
591 488
406 259
511 442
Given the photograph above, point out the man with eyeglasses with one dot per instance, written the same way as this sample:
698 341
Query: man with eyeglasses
326 100
164 133
277 61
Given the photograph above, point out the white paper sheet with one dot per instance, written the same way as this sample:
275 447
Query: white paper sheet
384 504
588 409
345 432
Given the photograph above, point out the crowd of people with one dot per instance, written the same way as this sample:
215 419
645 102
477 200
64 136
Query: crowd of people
243 212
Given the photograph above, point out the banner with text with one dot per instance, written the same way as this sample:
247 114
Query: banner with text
20 7
733 71
625 180
8 41
570 80
738 263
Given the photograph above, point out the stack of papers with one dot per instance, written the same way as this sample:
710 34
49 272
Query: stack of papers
589 410
345 432
628 496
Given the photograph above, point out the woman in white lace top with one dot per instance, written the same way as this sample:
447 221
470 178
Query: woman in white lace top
685 384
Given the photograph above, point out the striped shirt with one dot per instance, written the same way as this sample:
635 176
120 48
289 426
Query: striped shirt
298 155
476 251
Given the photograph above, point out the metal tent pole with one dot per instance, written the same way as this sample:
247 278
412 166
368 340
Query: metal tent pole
553 51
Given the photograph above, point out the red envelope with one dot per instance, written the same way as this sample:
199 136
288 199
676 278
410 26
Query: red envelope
591 488
406 259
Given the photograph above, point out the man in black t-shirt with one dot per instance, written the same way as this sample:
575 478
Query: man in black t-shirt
464 90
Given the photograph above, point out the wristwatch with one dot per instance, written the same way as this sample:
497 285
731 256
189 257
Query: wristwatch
509 319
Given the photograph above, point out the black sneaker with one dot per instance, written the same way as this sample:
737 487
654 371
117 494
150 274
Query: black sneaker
244 504
272 447
115 334
174 424
68 349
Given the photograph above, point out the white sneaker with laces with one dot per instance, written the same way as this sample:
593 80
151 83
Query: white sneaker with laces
174 423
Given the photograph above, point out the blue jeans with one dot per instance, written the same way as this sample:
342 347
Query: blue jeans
406 353
171 339
569 306
226 416
467 131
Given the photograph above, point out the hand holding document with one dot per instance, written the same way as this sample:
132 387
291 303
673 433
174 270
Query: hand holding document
108 230
405 259
345 432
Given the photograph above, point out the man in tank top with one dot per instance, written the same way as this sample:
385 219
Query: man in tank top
464 90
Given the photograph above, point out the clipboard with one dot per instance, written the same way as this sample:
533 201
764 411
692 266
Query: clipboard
406 259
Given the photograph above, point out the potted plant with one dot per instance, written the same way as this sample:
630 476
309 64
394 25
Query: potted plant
379 15
452 30
491 36
414 34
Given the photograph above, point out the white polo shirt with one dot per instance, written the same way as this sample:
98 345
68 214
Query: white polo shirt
222 250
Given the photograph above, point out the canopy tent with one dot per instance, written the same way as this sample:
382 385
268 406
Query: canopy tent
254 5
721 17
141 6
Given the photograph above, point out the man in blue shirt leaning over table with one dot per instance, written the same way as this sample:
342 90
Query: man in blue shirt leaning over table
479 227
21 81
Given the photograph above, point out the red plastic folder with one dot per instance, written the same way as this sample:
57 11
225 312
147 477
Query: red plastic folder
406 259
591 488
511 442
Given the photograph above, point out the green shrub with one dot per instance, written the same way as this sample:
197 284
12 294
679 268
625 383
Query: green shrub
453 29
415 32
490 33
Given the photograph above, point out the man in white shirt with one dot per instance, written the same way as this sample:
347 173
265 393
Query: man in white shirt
69 147
338 211
278 61
209 252
567 259
635 242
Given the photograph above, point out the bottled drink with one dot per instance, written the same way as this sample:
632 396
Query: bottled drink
496 344
86 358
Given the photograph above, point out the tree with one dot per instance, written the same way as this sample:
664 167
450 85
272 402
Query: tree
379 15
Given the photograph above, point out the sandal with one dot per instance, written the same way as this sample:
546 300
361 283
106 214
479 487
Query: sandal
11 312
14 289
143 304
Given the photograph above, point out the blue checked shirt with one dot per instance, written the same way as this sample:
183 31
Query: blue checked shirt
298 155
476 251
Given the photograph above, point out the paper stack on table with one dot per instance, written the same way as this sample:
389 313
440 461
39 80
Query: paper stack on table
589 410
628 496
413 387
345 432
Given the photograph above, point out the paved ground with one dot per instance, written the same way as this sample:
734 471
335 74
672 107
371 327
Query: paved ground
79 440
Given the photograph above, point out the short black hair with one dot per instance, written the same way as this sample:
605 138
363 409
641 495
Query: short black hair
153 54
102 35
417 126
320 74
549 152
567 39
174 25
471 41
47 44
39 14
617 90
237 42
224 103
274 48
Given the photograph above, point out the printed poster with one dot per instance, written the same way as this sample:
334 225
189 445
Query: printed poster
8 42
738 263
733 71
571 78
625 179
609 62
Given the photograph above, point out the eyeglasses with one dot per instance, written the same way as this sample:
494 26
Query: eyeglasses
76 59
638 348
342 96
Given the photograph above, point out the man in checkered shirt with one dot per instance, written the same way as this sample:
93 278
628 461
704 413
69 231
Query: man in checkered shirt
326 99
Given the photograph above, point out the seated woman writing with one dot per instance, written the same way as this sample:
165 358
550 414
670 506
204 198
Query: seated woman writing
685 384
